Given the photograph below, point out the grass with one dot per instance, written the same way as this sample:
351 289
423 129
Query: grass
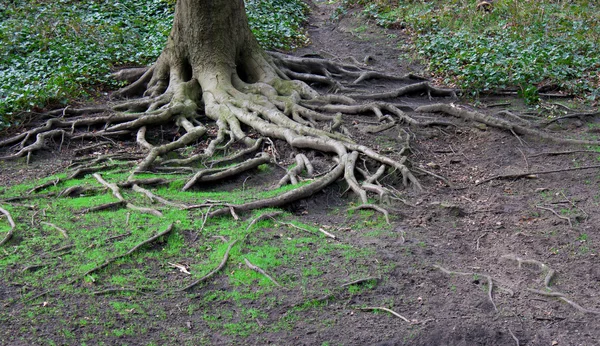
55 52
522 45
297 259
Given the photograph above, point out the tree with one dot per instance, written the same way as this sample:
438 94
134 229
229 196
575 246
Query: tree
213 71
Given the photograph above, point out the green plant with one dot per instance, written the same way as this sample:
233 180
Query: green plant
54 52
520 45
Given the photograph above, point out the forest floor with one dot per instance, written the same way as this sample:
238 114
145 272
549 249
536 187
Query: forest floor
535 238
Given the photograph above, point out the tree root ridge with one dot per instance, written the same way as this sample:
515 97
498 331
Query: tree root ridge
547 290
241 112
489 279
499 123
214 271
132 250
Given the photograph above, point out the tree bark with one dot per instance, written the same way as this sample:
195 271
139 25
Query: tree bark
210 42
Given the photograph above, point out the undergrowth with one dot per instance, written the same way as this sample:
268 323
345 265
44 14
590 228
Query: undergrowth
523 45
54 52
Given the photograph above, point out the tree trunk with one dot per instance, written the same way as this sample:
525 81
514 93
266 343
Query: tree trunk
210 42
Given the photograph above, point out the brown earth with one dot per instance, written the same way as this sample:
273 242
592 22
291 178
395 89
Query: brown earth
466 228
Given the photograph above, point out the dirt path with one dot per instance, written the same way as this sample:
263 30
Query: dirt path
480 231
536 240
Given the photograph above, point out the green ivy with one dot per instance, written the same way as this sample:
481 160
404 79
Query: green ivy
54 52
522 44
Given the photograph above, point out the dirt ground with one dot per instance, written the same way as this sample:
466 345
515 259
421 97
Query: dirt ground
446 245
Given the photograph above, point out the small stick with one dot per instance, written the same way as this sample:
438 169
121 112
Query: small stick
574 115
385 309
557 215
62 231
562 297
259 270
12 226
573 204
521 175
34 266
214 271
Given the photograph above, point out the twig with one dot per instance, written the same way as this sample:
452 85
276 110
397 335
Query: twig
62 231
532 174
214 271
478 238
574 205
557 214
12 226
259 270
370 308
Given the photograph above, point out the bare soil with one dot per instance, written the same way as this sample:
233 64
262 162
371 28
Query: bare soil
465 228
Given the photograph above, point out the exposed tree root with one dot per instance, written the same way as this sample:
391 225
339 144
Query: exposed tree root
62 231
154 197
264 216
327 234
535 173
118 290
549 274
260 271
214 271
490 282
12 224
557 214
499 123
132 250
117 193
371 308
105 264
376 208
